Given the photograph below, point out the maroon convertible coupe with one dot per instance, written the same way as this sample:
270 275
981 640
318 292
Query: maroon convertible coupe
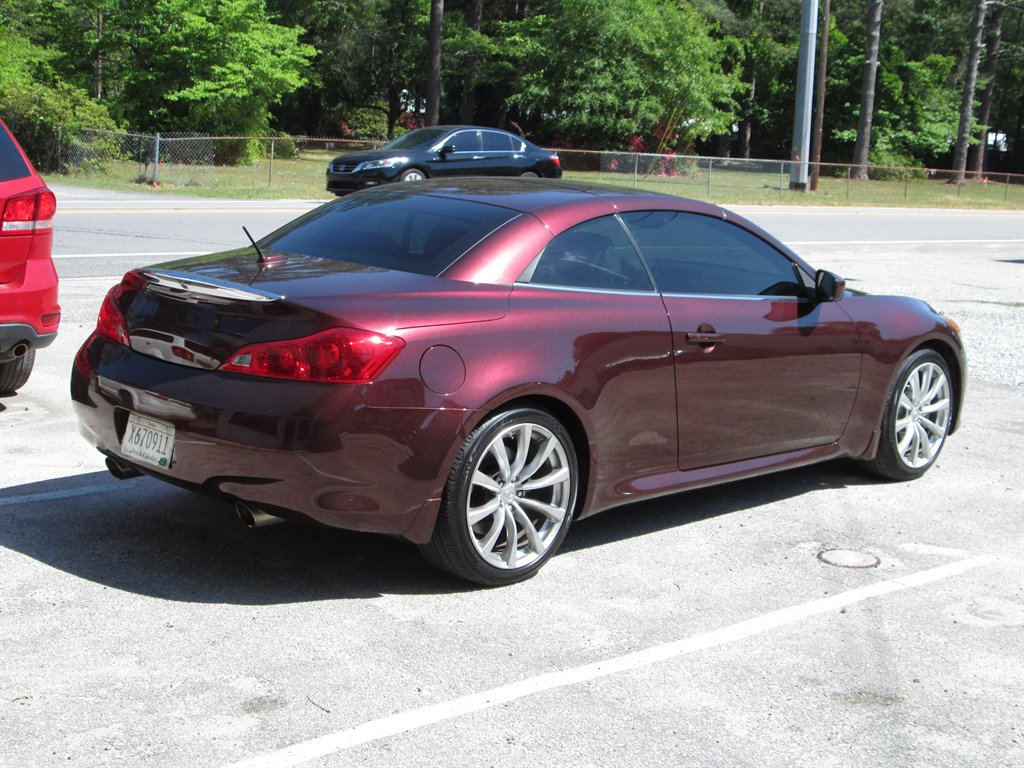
471 365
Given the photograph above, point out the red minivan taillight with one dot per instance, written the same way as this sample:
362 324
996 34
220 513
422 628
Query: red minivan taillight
30 211
340 355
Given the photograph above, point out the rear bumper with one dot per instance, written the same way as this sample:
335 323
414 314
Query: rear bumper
14 335
29 309
311 451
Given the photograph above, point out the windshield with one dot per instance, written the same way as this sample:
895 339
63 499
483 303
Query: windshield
418 139
391 230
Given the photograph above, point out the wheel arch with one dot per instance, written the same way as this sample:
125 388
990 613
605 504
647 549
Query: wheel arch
415 167
569 419
956 370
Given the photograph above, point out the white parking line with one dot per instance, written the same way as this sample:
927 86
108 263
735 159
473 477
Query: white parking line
403 722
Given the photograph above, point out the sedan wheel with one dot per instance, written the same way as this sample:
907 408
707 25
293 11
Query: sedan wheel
413 174
530 175
917 418
508 501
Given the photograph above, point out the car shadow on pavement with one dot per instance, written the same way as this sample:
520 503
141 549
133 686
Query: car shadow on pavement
679 509
153 539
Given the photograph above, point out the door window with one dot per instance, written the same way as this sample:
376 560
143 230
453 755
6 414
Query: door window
691 253
465 141
594 254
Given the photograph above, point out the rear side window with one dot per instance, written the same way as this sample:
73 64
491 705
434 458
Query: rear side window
12 164
392 230
497 142
695 254
596 254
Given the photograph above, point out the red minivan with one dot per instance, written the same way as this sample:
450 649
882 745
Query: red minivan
29 312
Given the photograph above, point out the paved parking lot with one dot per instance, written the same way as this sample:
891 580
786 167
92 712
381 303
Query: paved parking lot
143 626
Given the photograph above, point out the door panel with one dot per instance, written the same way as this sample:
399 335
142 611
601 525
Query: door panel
468 159
761 368
783 376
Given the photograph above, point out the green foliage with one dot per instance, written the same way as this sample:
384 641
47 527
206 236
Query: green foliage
46 116
212 65
602 72
916 103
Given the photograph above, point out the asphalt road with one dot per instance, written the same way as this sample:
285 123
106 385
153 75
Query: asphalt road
143 626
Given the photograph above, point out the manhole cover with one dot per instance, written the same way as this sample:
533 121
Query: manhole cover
848 558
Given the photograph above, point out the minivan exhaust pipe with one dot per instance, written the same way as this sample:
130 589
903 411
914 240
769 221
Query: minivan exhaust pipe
120 470
254 517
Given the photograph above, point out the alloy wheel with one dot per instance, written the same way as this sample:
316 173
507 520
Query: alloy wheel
922 415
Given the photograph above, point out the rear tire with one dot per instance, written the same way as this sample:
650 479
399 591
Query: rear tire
14 373
530 175
917 418
508 501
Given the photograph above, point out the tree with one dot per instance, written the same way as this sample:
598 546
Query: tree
963 134
598 73
976 154
867 93
434 62
474 22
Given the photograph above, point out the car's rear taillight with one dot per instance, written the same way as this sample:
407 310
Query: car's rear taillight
111 323
27 212
345 355
555 159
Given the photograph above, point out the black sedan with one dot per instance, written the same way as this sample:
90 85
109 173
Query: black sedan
442 150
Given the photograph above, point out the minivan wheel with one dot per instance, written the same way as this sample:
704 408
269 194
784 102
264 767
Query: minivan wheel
508 501
14 373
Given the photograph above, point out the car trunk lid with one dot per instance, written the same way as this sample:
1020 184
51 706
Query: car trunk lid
198 312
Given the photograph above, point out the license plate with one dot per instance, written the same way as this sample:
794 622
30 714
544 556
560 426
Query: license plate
148 440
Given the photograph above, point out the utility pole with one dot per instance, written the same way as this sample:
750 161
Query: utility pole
804 96
819 101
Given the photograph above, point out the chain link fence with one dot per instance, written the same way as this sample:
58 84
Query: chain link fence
295 166
727 179
226 163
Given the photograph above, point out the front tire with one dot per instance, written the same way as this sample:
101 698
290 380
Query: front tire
14 373
917 418
508 501
412 174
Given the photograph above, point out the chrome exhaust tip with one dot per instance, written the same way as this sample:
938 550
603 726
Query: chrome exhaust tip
119 470
254 517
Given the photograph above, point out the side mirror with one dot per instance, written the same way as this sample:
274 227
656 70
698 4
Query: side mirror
446 149
828 286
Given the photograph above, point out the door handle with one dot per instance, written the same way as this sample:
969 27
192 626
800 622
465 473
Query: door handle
705 340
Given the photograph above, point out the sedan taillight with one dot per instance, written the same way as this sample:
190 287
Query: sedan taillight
555 159
338 355
111 323
28 212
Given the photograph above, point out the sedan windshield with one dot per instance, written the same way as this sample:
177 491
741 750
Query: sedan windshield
421 138
391 229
